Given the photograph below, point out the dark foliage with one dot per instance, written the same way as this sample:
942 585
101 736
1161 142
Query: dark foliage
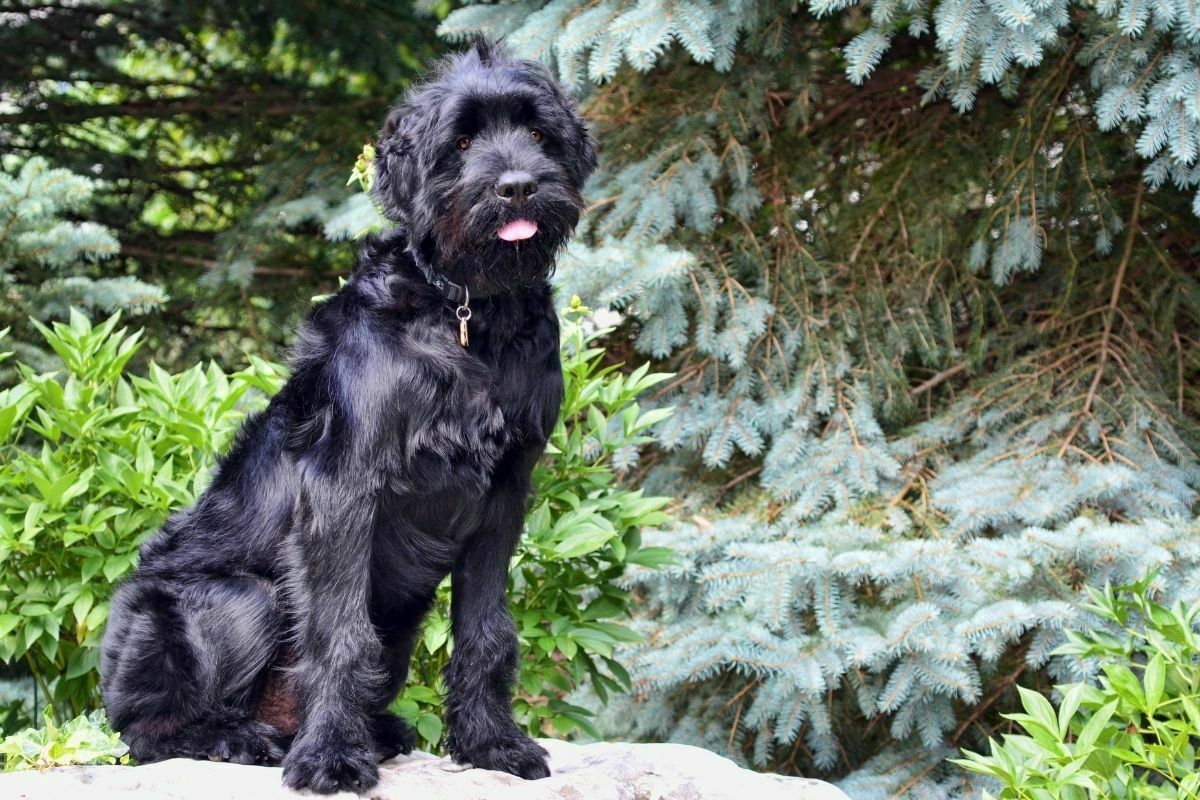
201 123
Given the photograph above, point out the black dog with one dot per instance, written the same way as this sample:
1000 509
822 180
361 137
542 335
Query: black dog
278 614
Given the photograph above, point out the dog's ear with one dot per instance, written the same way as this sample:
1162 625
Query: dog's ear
389 186
587 152
393 123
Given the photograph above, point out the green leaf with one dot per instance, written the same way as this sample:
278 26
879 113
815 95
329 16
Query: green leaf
1125 684
33 515
1094 727
97 616
33 631
1066 710
1155 680
437 632
91 566
619 672
430 728
82 662
116 566
538 521
587 538
566 646
652 557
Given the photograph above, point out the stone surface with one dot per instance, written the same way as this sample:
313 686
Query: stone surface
579 772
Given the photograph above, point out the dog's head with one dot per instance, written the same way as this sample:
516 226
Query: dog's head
484 165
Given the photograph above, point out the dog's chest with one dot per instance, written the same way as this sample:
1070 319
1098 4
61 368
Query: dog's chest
524 376
527 391
463 414
515 390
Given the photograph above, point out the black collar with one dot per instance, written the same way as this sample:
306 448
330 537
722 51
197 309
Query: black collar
454 292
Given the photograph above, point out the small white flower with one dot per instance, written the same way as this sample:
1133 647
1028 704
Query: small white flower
606 318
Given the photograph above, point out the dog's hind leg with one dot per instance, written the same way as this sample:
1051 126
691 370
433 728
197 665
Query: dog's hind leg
181 663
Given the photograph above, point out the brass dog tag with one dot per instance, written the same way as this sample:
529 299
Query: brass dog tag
463 313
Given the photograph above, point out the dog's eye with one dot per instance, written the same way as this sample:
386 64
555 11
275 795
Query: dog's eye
464 142
536 134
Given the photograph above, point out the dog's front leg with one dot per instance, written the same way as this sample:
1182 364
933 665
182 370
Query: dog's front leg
338 666
483 664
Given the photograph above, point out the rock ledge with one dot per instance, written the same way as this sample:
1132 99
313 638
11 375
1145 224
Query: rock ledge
601 771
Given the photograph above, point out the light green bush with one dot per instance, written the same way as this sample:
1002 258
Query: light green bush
86 739
1132 736
93 462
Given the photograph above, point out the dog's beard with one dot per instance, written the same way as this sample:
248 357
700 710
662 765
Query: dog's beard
469 250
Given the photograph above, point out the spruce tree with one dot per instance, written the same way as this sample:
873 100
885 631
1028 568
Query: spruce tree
49 263
926 274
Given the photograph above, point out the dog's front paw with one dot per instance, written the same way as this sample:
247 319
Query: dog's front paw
248 742
391 736
515 754
329 764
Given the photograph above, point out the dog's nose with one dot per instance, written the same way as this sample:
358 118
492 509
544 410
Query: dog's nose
516 187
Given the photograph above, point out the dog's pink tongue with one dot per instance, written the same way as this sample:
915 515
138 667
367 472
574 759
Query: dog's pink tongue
517 230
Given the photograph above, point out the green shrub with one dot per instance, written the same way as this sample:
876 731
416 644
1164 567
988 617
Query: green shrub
86 739
1135 734
94 461
582 530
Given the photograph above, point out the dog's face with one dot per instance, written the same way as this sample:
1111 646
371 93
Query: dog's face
485 166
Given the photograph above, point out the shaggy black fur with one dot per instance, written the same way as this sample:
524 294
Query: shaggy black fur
274 619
